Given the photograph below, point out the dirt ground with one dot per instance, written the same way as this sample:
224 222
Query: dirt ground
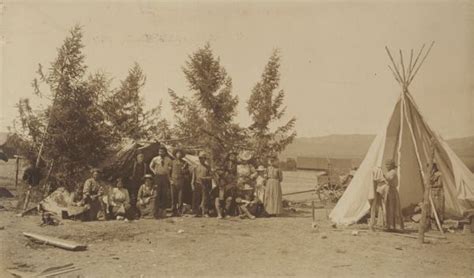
283 246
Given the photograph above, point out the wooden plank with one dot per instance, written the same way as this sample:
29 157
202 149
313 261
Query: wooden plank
58 272
298 192
61 243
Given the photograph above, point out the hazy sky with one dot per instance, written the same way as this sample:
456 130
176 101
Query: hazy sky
334 66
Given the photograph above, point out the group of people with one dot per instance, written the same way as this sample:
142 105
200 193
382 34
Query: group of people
236 188
384 199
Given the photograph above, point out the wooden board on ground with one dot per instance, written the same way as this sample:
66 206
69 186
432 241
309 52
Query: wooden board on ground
61 243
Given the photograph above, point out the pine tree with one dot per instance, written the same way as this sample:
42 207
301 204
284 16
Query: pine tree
73 133
125 112
265 107
209 114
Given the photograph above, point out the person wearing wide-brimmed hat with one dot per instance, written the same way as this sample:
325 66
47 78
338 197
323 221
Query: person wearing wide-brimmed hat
273 201
146 196
161 168
91 195
201 186
179 172
393 212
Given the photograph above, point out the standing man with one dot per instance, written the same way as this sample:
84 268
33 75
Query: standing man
161 167
139 170
201 185
179 170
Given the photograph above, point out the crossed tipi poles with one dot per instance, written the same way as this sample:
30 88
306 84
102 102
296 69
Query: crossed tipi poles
404 75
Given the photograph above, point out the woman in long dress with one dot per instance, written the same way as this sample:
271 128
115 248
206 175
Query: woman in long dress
393 211
273 195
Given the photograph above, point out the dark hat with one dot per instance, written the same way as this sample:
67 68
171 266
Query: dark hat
162 147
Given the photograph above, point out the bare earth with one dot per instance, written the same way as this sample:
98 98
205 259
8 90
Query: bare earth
284 246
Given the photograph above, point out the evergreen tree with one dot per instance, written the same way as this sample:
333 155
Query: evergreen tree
265 107
125 112
71 129
208 116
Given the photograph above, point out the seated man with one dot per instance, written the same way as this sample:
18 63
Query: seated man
91 197
146 197
246 202
119 202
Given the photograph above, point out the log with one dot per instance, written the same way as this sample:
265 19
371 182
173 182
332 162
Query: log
61 243
298 192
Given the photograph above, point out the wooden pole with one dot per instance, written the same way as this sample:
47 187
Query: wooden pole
409 66
395 75
424 177
421 63
393 63
17 170
403 67
417 57
426 182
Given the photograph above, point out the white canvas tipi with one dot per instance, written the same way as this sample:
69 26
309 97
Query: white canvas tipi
408 140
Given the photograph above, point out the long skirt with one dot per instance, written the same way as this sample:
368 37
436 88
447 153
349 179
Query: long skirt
392 209
273 197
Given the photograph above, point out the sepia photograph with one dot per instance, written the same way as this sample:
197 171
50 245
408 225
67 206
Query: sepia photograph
211 138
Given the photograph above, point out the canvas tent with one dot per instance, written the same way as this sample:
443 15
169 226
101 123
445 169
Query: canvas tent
408 139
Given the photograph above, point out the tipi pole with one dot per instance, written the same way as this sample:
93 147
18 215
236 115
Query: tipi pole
417 57
405 77
426 195
410 65
394 64
395 75
421 63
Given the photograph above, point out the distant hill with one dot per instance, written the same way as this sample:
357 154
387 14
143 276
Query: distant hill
355 146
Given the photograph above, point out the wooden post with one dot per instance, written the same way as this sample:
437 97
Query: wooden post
17 158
